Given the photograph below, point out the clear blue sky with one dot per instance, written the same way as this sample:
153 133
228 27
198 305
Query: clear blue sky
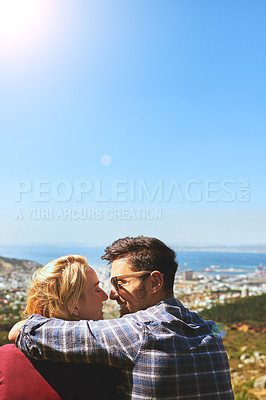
173 92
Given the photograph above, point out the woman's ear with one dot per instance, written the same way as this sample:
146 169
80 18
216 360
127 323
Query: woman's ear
156 281
76 312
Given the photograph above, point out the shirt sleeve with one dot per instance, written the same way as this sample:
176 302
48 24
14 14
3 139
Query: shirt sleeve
112 342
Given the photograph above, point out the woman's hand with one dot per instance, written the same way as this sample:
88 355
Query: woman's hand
15 330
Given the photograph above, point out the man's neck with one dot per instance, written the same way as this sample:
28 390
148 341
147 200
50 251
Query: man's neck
161 297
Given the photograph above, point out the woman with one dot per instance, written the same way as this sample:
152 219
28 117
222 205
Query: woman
66 288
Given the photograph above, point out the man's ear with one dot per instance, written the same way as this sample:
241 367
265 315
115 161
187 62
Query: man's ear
155 281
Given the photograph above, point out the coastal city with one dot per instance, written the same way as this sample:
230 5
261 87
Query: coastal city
196 290
215 286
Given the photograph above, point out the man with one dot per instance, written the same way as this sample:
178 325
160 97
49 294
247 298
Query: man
164 350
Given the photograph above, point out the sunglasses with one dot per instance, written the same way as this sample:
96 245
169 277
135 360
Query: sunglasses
115 279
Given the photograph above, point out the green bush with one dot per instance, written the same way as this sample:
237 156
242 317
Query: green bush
250 310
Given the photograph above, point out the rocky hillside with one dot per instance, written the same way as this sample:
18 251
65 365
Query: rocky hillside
12 265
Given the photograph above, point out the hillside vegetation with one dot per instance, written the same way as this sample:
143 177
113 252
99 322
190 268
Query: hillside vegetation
250 310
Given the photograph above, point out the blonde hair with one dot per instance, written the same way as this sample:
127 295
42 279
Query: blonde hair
56 288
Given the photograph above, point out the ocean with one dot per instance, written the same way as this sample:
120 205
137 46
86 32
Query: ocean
193 260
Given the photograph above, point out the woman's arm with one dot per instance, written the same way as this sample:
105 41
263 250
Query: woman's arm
13 334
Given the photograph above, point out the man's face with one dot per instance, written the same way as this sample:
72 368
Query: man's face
131 295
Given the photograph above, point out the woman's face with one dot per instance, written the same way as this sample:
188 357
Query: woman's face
90 305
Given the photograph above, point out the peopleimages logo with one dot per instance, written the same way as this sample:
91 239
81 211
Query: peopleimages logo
119 190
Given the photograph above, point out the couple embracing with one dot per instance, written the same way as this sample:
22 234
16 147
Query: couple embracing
157 349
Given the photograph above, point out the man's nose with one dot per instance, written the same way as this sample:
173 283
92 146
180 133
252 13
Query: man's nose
113 294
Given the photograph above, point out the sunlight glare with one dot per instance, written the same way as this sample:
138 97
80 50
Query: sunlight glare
24 24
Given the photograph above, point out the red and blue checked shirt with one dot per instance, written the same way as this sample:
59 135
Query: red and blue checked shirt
165 352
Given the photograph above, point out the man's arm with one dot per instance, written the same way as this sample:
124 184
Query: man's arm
112 342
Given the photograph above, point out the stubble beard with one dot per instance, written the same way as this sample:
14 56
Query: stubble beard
140 302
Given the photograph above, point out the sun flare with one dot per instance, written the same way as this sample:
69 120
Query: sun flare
24 24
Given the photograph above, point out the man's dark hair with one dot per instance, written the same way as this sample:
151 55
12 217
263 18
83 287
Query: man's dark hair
145 254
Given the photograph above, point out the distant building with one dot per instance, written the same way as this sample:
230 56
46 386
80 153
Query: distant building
188 275
244 291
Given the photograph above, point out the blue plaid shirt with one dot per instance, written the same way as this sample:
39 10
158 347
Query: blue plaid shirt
166 352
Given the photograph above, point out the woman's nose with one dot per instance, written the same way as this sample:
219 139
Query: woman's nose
104 295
